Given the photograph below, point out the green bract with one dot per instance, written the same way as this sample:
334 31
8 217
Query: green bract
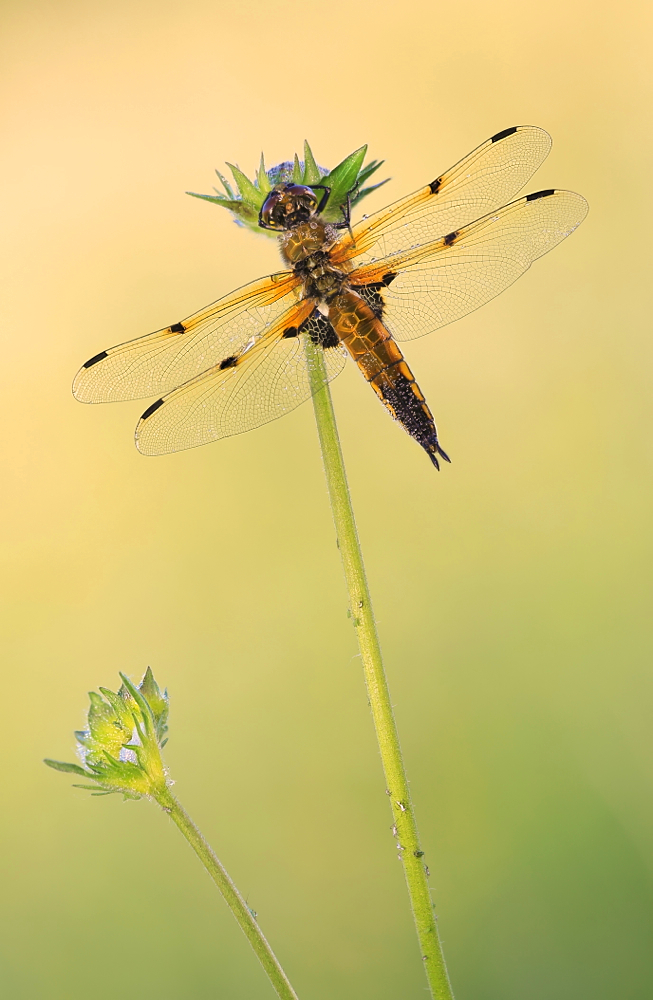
345 179
121 749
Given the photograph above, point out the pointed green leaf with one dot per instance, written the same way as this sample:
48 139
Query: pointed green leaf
149 687
237 206
217 199
144 719
143 734
311 170
368 190
247 190
120 707
226 185
244 212
157 702
60 765
122 773
369 169
146 711
297 171
342 180
264 185
249 214
99 705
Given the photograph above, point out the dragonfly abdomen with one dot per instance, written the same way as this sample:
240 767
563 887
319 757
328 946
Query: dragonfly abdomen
381 362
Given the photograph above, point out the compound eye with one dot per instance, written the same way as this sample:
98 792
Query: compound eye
269 212
302 195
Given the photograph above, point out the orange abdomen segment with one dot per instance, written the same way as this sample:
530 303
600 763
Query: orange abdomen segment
380 360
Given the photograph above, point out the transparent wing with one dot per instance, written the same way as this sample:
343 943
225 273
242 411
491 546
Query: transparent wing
427 287
264 382
492 174
163 360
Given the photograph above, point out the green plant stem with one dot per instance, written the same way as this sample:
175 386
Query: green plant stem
405 827
232 897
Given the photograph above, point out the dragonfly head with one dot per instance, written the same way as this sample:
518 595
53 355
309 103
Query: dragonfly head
288 205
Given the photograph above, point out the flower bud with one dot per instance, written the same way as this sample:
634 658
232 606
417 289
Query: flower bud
121 749
246 202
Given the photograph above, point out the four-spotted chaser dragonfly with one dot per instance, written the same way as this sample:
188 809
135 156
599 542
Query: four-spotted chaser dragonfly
407 270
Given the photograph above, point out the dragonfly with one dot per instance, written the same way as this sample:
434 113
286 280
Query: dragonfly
353 290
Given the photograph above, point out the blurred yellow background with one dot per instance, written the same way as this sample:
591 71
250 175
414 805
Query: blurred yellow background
512 589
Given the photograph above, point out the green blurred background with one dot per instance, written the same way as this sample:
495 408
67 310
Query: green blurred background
512 590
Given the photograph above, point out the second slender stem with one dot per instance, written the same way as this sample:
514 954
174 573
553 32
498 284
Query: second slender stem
405 827
234 900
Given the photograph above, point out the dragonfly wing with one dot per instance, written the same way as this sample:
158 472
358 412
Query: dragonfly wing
430 286
264 382
165 359
492 174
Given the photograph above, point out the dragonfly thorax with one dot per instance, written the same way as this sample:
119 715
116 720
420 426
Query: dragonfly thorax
304 247
302 241
322 280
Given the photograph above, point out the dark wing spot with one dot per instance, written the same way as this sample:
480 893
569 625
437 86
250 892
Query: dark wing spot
94 360
150 410
371 295
229 362
372 292
502 135
540 194
320 330
329 336
450 238
435 185
177 328
292 331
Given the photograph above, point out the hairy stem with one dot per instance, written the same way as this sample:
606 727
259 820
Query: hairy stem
405 827
233 899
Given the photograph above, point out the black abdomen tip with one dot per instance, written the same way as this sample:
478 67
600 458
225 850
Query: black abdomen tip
433 449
